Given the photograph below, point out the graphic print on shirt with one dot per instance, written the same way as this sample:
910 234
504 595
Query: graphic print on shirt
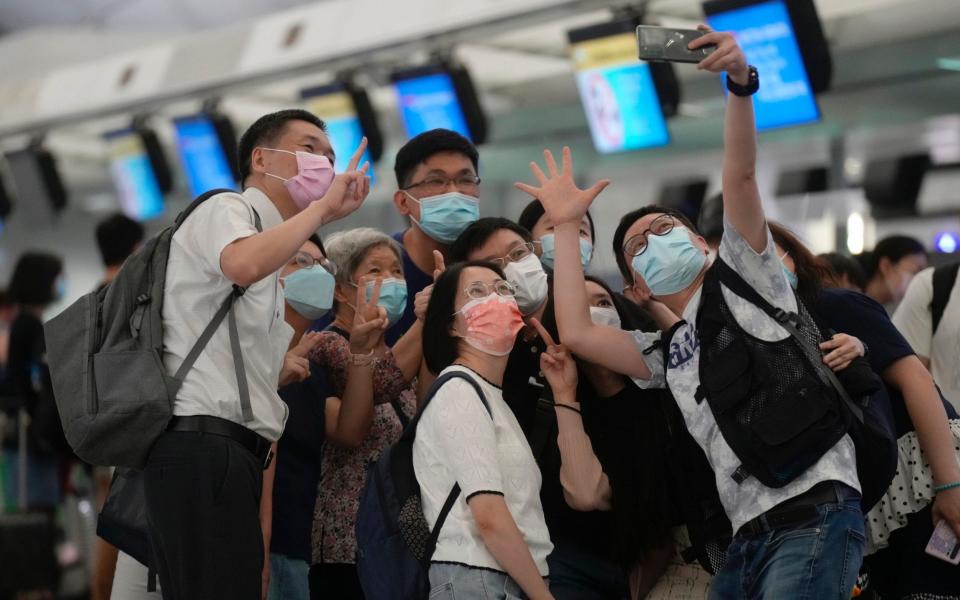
683 346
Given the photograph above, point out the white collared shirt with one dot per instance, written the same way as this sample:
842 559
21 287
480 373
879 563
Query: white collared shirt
195 289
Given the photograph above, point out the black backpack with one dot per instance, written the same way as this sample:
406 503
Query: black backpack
853 401
943 280
394 543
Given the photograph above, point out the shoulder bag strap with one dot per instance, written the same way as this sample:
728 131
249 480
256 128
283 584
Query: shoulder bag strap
943 280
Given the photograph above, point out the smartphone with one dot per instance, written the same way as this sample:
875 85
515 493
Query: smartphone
944 544
666 44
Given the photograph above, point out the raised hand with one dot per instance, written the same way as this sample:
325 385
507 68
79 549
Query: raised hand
295 368
369 320
307 343
727 57
562 200
349 189
422 299
556 363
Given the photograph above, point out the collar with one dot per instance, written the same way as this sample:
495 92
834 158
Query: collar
269 215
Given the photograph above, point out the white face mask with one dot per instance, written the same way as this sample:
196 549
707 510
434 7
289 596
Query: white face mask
530 281
604 315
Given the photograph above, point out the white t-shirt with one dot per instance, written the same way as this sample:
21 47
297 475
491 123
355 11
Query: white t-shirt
915 322
195 289
750 499
458 442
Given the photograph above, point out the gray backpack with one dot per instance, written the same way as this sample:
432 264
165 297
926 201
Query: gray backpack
105 353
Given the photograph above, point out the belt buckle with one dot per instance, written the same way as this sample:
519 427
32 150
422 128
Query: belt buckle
268 459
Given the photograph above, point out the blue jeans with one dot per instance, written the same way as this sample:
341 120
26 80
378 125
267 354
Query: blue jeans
289 578
818 559
450 582
578 575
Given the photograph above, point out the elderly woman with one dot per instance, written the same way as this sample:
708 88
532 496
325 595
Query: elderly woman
370 281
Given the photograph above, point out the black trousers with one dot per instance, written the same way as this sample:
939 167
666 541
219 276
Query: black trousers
203 506
335 582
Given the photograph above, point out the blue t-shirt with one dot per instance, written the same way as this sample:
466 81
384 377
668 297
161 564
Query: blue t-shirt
855 314
417 280
298 465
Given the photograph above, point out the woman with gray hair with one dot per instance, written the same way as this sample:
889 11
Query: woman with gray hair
371 378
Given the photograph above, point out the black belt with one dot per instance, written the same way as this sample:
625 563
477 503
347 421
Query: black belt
255 443
797 510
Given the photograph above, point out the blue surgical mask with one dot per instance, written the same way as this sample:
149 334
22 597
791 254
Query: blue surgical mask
445 216
393 297
309 291
548 244
670 263
791 276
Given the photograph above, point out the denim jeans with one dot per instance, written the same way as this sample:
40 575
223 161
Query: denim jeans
578 575
289 578
448 582
818 559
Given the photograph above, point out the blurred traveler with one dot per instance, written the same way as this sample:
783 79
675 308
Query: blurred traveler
890 267
118 236
208 479
494 542
848 273
373 384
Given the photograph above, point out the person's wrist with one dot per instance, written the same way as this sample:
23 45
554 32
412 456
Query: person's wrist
740 76
321 212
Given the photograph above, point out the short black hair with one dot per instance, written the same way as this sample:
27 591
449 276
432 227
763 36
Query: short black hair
531 216
627 222
477 234
33 278
893 248
440 346
844 264
710 221
315 238
421 147
266 130
117 237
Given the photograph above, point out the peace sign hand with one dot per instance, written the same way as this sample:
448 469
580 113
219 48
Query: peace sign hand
557 364
349 189
422 299
369 320
562 200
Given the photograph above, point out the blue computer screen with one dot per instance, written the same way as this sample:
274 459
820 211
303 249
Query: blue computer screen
133 176
618 95
343 126
202 155
430 102
766 35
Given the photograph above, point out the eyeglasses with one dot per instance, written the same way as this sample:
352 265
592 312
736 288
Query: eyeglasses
305 261
478 290
517 254
436 184
637 244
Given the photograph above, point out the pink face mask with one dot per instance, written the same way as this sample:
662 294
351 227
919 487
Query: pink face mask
492 324
314 176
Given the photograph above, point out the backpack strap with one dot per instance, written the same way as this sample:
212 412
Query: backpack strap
943 280
790 322
455 492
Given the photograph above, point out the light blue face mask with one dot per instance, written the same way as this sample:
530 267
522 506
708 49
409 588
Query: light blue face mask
393 297
309 291
791 277
548 244
670 263
445 216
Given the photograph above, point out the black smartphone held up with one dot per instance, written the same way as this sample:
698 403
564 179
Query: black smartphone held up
666 44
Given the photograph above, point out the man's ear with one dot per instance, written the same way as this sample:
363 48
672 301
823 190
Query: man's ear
257 161
402 201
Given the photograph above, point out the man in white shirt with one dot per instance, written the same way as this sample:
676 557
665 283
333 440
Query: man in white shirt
937 349
207 481
804 539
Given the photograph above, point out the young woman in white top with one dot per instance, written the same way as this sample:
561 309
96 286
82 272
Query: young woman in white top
494 543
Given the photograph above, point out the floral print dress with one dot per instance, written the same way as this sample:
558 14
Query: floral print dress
343 471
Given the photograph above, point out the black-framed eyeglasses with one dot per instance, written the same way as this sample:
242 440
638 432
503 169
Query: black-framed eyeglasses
436 184
305 261
477 290
516 254
637 244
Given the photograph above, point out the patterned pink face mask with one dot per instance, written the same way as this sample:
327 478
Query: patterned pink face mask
314 176
492 324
